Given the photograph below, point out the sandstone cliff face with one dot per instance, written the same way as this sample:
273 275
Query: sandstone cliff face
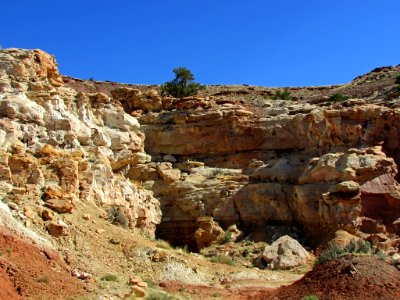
59 147
286 163
316 165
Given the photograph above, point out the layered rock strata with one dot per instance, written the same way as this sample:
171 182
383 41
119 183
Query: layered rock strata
59 147
321 168
313 165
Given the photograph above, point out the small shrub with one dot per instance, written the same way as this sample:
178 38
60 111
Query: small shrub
363 247
185 249
5 251
282 95
222 259
159 295
43 279
182 85
117 217
109 277
397 81
338 97
354 247
163 244
228 237
216 295
149 282
310 297
332 252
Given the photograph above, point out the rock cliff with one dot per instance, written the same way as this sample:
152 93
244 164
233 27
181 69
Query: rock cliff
59 146
233 155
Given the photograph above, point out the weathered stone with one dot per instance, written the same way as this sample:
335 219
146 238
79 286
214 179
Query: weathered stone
48 215
138 291
56 228
208 232
167 173
285 253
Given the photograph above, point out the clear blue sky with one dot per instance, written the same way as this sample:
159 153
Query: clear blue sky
257 42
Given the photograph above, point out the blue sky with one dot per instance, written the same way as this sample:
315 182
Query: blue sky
269 43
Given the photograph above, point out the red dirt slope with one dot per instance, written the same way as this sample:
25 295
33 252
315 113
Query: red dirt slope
28 272
350 277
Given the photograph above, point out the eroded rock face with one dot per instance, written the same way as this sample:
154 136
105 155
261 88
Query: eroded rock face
60 147
281 163
299 165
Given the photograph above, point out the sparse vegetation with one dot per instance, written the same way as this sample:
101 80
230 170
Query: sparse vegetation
354 247
222 259
397 81
5 251
228 237
282 95
310 297
338 97
163 244
182 85
43 279
185 249
109 277
117 217
159 295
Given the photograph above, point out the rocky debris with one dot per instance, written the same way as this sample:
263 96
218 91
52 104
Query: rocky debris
285 253
48 215
57 228
138 286
81 275
138 291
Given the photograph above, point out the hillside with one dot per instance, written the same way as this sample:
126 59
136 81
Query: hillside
96 176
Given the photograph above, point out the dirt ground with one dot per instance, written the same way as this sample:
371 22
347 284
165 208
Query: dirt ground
350 277
28 272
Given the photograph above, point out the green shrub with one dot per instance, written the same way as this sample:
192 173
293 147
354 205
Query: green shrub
354 247
310 297
222 259
397 81
109 277
282 95
163 244
159 295
182 85
332 252
117 217
228 237
44 279
338 97
185 249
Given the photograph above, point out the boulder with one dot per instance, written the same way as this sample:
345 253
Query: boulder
57 228
285 253
208 232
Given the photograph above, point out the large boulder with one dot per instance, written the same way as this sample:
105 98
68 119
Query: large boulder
209 232
285 253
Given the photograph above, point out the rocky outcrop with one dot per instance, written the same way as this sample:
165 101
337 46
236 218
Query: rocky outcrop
60 147
323 166
285 253
297 164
